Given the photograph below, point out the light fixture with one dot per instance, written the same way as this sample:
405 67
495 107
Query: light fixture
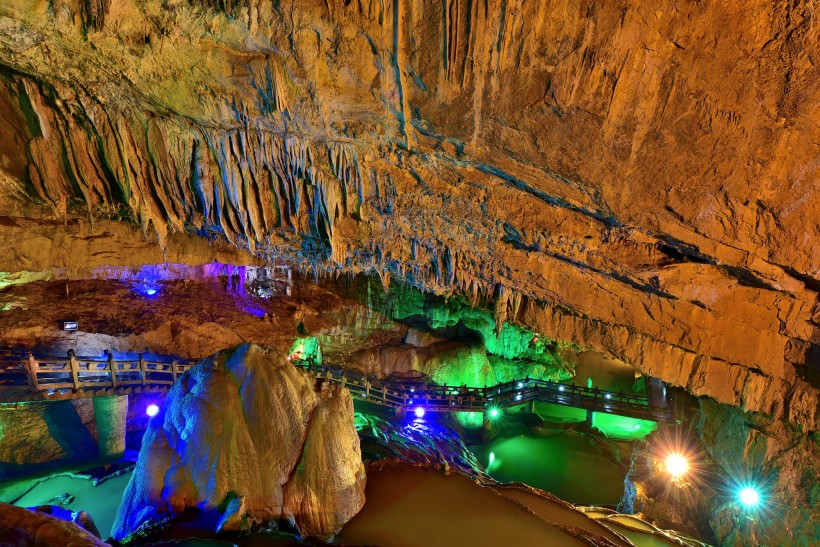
419 412
676 465
749 496
151 410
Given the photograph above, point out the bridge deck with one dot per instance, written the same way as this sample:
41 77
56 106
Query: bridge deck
28 378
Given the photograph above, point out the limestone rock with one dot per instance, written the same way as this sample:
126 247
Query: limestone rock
80 518
248 437
325 491
594 168
19 526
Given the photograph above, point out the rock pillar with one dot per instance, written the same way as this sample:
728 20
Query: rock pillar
110 413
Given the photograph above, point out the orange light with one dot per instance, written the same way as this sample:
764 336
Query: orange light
676 465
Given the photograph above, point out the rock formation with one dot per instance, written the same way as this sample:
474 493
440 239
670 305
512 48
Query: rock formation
248 438
598 169
19 526
634 177
33 434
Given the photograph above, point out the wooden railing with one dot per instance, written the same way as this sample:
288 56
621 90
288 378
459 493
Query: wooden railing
53 376
29 377
438 398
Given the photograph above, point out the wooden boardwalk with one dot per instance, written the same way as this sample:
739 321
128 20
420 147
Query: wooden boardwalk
436 398
29 378
45 379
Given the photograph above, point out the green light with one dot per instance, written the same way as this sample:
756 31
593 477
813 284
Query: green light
494 413
492 459
622 427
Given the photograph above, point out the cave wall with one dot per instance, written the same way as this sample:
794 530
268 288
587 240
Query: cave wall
639 179
34 434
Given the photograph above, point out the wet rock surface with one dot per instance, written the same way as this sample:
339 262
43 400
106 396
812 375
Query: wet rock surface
248 438
20 526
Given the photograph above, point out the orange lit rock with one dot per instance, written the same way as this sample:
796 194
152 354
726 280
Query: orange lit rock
248 437
639 179
19 526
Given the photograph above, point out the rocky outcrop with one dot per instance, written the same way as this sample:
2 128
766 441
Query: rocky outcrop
639 179
37 434
19 526
248 438
80 518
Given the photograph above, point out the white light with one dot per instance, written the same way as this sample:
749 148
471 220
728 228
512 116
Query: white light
519 385
608 396
152 410
749 496
676 465
518 397
560 388
419 412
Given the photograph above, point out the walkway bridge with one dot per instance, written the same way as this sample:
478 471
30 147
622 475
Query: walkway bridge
29 378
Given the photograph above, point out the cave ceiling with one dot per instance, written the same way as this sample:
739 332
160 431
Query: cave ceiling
636 177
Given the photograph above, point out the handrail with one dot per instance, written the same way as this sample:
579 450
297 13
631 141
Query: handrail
94 373
78 373
442 398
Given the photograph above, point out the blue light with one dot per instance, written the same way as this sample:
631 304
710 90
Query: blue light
152 410
419 412
749 497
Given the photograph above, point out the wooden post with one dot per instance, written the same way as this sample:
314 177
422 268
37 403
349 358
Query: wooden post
74 365
174 369
33 366
112 366
143 370
367 388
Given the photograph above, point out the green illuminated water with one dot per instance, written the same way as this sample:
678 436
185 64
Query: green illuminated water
568 464
100 502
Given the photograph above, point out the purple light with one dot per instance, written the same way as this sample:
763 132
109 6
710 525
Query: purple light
152 410
419 412
251 309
